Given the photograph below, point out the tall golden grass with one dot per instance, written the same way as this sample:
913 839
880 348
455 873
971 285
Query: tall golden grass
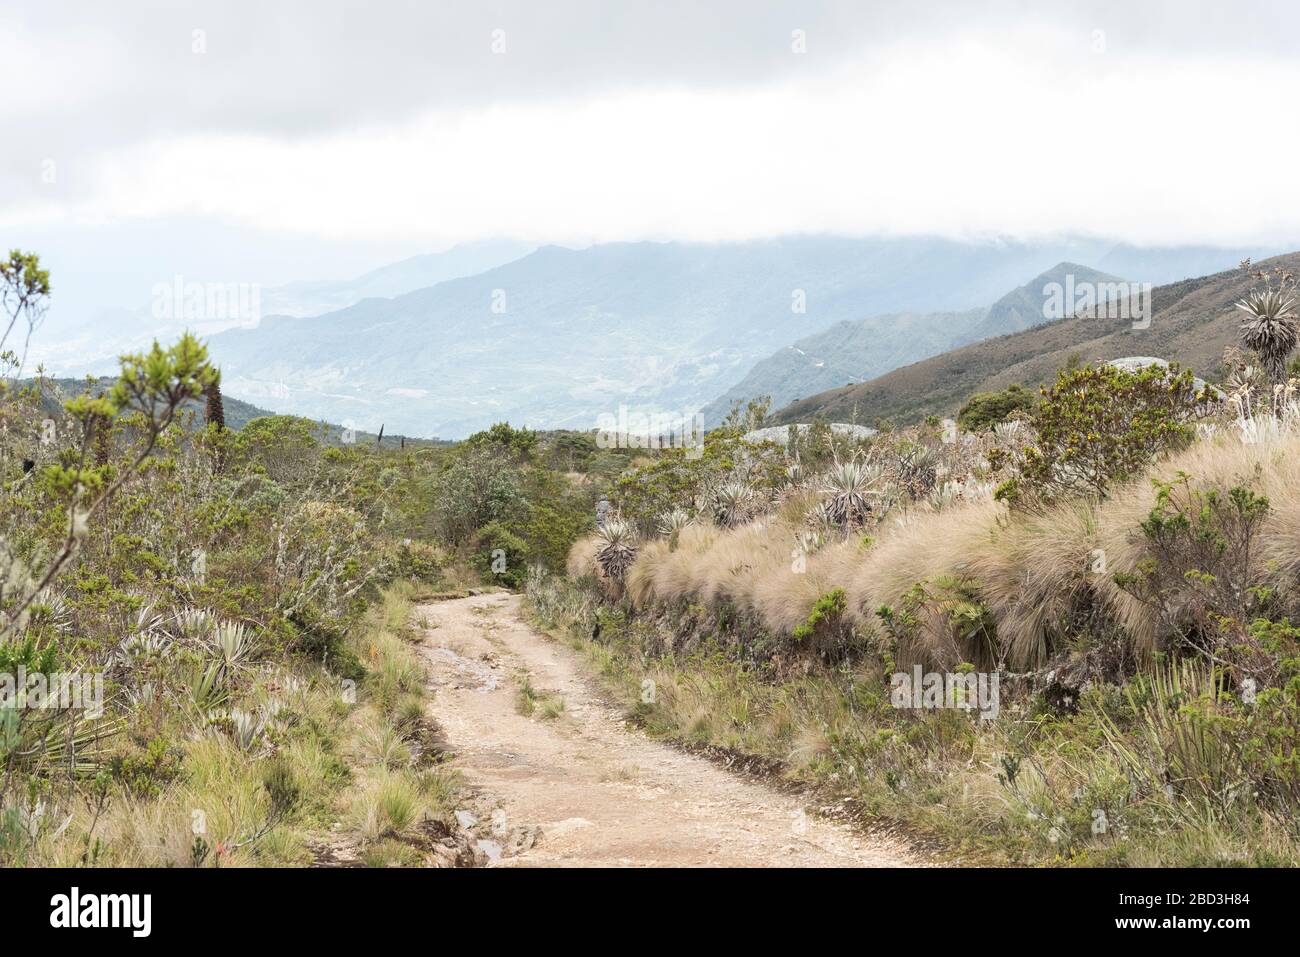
1027 569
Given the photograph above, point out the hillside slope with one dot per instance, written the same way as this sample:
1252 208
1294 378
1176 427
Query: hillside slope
1193 322
853 352
846 353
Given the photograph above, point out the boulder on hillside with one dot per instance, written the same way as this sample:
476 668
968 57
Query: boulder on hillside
1136 363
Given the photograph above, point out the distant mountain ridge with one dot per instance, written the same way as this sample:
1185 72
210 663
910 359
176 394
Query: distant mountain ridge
851 352
1026 306
1193 321
847 352
313 298
559 337
123 330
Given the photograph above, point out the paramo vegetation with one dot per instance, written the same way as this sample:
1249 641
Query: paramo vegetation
243 599
1118 547
1120 552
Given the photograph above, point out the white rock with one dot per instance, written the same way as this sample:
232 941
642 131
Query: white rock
781 433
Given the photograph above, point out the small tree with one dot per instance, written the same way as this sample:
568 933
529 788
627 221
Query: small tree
152 388
1100 425
518 443
747 416
24 296
501 555
215 418
475 488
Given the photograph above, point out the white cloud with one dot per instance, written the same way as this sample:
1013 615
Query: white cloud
1005 131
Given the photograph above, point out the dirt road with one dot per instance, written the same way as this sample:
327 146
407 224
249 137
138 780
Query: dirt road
572 784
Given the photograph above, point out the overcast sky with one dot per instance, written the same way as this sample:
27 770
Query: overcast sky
283 140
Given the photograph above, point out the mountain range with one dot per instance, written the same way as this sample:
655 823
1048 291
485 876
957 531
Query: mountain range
560 336
95 345
1192 322
855 351
312 298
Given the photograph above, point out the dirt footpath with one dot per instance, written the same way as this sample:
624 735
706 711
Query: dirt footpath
573 785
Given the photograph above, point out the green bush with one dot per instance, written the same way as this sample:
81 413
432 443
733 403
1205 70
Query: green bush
477 486
144 772
421 561
500 555
1098 426
675 477
283 446
571 451
824 631
983 410
503 438
560 513
324 640
1200 573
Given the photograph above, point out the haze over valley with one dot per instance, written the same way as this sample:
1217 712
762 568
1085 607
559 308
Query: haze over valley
443 345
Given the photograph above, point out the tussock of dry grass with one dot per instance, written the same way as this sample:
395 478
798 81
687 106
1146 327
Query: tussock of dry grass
582 557
1021 789
1029 570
